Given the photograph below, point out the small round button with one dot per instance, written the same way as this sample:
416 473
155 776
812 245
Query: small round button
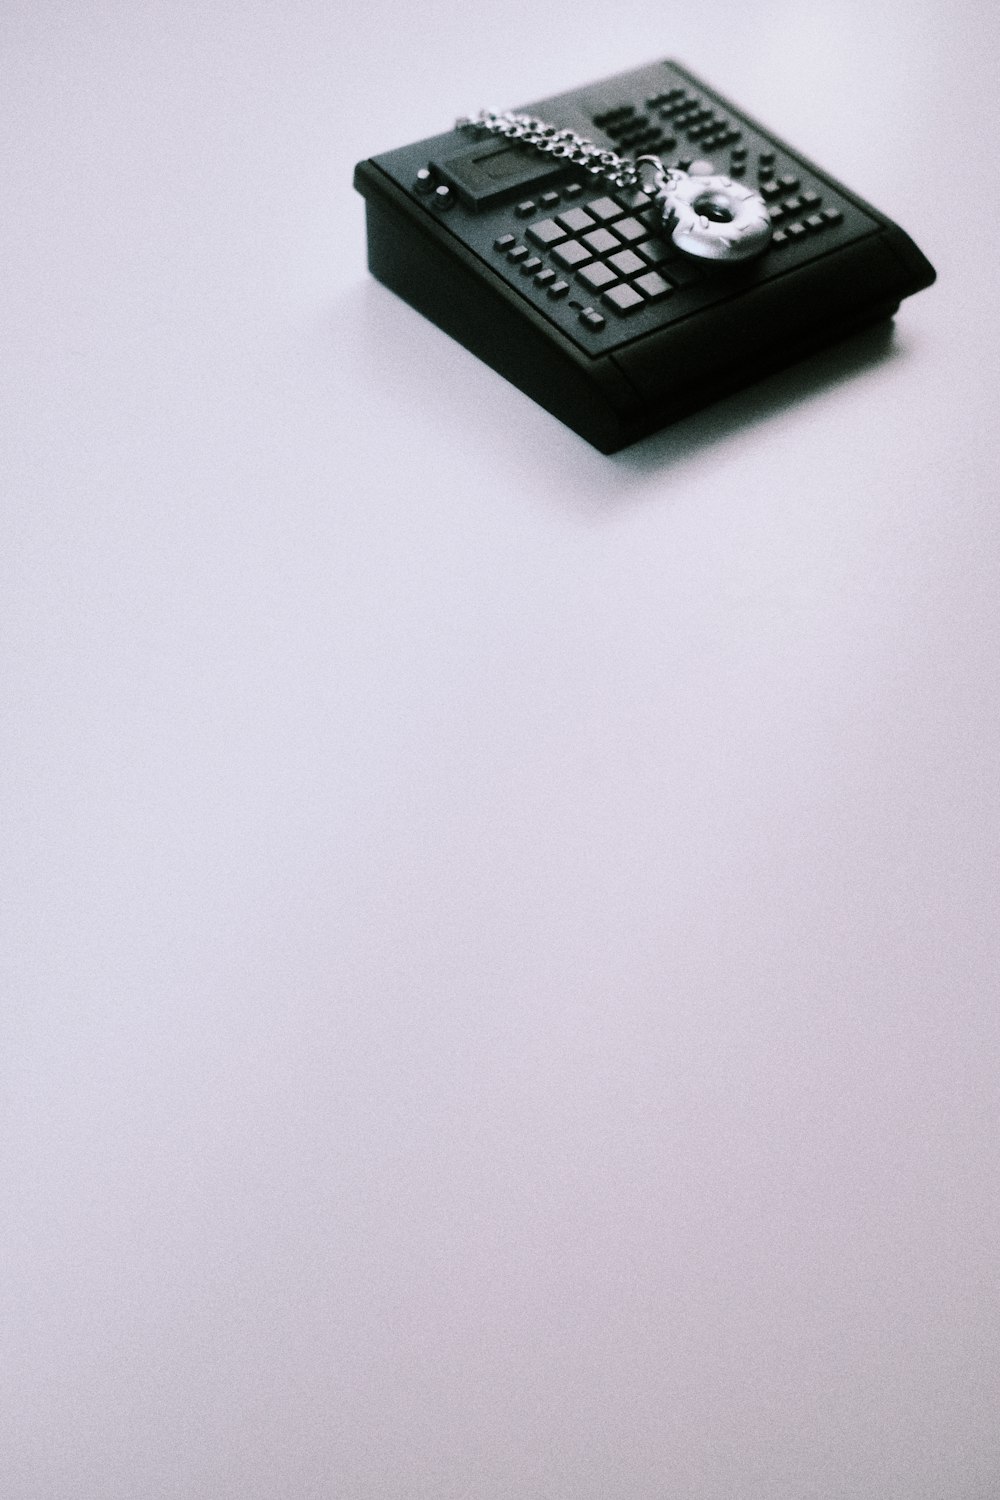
423 181
443 197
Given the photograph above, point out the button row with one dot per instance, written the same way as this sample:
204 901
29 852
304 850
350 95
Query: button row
623 125
572 254
530 206
654 139
699 121
814 223
599 242
674 98
626 279
597 215
686 107
810 199
774 187
594 273
531 265
628 296
613 116
598 273
714 135
625 299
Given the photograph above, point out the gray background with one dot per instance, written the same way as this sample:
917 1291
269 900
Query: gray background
500 955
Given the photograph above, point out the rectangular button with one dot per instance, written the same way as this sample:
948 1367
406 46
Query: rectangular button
630 229
572 253
653 285
597 275
634 198
627 263
601 241
576 220
545 232
604 209
623 299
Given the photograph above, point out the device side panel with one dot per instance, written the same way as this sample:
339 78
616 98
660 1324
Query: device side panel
597 400
767 326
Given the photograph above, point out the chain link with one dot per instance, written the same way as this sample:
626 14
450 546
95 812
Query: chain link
739 232
564 145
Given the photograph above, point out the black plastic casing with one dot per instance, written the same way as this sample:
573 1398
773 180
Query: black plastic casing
735 326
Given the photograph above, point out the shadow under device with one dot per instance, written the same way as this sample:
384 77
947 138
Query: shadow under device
629 251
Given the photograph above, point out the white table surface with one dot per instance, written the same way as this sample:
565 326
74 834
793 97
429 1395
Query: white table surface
500 952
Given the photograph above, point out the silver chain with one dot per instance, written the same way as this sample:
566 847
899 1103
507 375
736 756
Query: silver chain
708 216
564 145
